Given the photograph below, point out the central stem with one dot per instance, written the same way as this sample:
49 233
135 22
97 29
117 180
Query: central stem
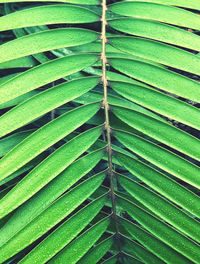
107 122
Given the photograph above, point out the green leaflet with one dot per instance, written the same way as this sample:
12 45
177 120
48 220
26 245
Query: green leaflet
5 191
51 216
162 158
26 168
45 137
182 3
97 252
81 244
133 248
165 233
56 69
153 244
7 77
64 234
6 144
161 207
5 219
19 99
161 183
158 52
165 79
44 41
160 131
48 170
39 202
159 102
94 96
157 31
44 102
119 54
82 2
24 62
46 15
162 13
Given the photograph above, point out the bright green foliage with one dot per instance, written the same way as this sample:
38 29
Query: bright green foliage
152 29
97 252
159 52
53 98
160 103
162 13
167 80
50 217
53 14
36 77
99 149
44 41
65 233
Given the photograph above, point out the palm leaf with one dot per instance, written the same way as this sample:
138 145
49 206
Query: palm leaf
99 131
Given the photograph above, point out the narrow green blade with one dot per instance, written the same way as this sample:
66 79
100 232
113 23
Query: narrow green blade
182 3
37 76
161 183
165 234
6 144
44 41
133 248
26 168
82 244
23 62
157 12
54 189
44 102
162 158
158 77
163 132
159 102
97 252
81 2
164 209
46 15
45 137
64 234
158 52
48 170
161 250
51 216
158 31
19 99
